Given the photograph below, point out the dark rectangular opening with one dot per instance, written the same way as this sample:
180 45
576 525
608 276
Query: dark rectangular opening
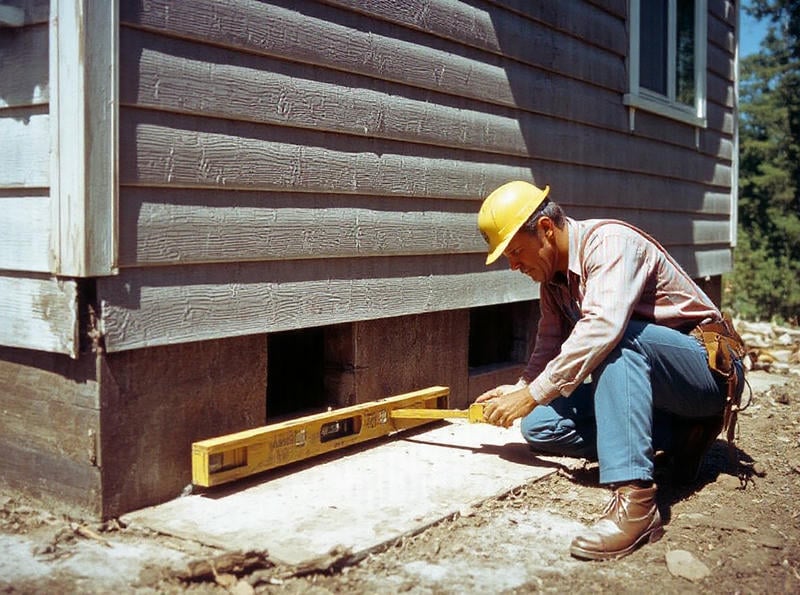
295 372
499 334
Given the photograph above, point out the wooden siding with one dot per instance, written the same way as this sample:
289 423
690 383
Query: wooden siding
39 313
289 164
25 142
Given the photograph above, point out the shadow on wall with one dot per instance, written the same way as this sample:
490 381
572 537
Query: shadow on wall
566 70
24 62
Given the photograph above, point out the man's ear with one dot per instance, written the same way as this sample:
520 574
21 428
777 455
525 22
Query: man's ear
547 226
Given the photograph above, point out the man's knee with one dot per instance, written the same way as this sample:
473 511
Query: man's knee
546 431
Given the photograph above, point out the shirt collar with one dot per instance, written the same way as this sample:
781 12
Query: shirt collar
575 233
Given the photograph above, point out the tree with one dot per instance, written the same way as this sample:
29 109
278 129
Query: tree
766 279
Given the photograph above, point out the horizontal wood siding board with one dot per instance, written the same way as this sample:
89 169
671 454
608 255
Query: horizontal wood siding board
721 34
36 11
615 7
162 149
24 67
720 118
719 90
724 10
275 92
720 62
203 226
500 31
25 147
175 75
39 313
593 24
706 262
25 233
192 226
657 127
155 306
260 28
670 229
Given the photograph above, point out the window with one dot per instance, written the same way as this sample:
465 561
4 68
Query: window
667 58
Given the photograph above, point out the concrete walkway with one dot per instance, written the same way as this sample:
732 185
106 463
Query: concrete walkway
358 499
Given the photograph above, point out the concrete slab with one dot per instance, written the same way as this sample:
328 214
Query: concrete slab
357 499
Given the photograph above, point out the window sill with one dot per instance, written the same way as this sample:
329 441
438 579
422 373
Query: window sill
663 109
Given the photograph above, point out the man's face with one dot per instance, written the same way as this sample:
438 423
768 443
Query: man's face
534 255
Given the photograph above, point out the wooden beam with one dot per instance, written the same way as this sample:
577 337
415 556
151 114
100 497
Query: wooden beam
228 458
83 111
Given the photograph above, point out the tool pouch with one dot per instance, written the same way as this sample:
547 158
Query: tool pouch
725 349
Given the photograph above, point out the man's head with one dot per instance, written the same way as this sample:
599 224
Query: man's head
518 220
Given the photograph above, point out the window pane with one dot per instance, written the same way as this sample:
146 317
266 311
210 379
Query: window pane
653 45
684 42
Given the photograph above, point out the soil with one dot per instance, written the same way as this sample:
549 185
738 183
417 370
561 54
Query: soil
736 530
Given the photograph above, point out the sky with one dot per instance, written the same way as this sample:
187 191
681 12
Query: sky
751 33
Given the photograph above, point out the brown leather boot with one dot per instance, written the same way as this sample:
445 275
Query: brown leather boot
630 518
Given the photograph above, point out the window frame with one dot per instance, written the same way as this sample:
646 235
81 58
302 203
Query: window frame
640 98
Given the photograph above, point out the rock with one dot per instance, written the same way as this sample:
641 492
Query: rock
684 564
728 482
770 538
242 588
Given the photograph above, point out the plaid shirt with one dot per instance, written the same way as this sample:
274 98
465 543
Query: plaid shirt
621 274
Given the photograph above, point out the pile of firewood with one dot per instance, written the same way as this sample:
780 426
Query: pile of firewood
771 347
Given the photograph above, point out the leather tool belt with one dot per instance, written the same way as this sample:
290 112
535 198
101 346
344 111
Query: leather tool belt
724 347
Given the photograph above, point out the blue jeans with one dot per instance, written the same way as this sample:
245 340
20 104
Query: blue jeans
653 374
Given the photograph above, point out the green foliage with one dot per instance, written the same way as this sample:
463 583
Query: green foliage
764 283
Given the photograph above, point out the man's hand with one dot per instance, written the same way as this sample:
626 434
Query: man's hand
508 406
496 392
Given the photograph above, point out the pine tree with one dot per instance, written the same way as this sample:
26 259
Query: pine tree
766 279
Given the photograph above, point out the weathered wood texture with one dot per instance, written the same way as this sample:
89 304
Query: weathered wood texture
25 147
25 207
274 131
49 428
83 109
39 313
147 307
24 231
374 359
156 402
23 67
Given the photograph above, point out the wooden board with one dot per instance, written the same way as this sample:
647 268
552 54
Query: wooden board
145 307
177 76
83 111
24 68
157 402
235 456
24 231
182 227
39 313
161 149
25 147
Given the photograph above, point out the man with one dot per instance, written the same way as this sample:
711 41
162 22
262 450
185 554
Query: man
617 354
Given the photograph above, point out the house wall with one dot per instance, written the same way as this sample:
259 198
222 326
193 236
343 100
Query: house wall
50 428
25 142
37 311
292 164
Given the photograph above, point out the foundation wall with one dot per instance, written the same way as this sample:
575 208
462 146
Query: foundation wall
373 359
49 429
156 402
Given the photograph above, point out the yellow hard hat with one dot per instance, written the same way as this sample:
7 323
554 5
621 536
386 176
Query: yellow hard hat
504 211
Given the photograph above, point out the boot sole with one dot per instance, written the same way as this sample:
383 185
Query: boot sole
651 536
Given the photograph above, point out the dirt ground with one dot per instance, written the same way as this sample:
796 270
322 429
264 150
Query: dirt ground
736 531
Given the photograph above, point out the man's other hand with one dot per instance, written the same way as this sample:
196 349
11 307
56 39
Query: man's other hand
496 392
505 408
